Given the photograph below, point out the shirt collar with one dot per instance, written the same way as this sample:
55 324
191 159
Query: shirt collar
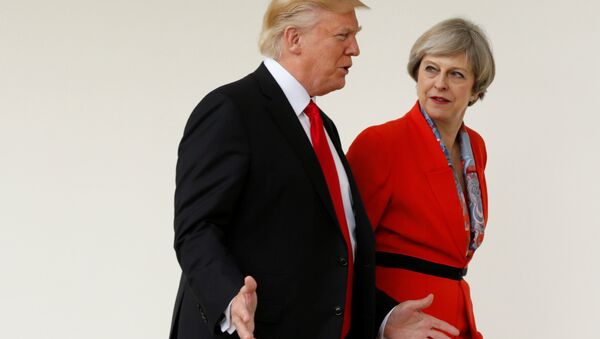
295 93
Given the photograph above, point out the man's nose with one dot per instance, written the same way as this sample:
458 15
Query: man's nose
353 48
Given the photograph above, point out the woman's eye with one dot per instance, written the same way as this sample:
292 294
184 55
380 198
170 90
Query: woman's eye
458 74
430 69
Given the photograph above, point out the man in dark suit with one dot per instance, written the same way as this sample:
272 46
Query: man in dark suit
270 232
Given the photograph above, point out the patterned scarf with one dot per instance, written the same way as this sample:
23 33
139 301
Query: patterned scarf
473 208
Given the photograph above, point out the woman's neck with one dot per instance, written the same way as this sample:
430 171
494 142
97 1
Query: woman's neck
449 132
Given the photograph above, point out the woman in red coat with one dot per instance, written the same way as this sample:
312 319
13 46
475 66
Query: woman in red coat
422 179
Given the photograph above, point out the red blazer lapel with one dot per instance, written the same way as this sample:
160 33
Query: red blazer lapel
431 159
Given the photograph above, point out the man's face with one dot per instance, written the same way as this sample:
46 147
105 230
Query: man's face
327 51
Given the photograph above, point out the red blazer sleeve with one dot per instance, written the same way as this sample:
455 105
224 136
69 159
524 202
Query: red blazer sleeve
369 159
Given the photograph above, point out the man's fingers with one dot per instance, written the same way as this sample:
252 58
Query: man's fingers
250 284
443 326
242 329
248 293
244 324
242 312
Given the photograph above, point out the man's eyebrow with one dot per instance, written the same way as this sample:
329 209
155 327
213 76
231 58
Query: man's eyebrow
351 30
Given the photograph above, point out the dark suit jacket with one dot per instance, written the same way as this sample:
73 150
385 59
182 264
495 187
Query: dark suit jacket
251 200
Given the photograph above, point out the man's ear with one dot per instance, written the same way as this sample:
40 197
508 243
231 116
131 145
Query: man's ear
292 40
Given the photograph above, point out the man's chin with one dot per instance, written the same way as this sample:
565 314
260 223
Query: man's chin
324 91
340 84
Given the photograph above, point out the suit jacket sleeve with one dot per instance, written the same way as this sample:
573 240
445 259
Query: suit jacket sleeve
213 160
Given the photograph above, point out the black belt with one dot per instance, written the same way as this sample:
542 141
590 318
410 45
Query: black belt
394 260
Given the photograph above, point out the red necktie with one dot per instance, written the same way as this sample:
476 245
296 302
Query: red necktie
323 152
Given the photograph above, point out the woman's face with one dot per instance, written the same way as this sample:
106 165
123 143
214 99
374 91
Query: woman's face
444 87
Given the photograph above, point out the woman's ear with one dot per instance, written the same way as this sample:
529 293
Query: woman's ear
473 98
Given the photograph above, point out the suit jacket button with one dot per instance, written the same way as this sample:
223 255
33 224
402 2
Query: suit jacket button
202 313
338 310
343 261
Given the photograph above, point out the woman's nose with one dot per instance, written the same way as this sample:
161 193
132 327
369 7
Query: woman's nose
440 82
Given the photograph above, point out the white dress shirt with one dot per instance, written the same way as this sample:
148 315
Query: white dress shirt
299 99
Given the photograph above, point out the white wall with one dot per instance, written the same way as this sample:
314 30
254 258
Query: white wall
94 96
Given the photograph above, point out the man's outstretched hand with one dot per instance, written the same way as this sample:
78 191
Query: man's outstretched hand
243 307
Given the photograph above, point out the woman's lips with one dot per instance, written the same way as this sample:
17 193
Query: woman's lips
439 100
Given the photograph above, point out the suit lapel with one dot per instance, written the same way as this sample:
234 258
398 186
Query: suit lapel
335 139
362 225
284 117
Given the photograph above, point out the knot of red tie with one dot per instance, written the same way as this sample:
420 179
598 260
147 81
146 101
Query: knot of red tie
312 110
317 134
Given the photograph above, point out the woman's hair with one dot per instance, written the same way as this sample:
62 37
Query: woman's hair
451 37
296 13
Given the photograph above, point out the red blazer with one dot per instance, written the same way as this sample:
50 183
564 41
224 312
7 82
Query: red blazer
410 196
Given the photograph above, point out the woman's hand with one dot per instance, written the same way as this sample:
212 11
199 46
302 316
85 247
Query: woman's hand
408 321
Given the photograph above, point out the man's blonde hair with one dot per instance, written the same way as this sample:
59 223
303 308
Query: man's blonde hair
295 13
